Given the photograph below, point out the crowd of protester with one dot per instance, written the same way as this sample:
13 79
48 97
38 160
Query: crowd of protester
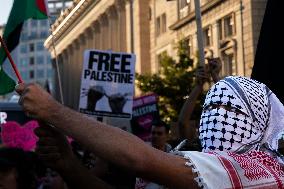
101 156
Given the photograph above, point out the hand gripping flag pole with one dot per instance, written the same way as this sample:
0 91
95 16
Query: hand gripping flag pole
20 80
199 33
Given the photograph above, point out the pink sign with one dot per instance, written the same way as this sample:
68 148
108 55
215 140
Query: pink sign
16 136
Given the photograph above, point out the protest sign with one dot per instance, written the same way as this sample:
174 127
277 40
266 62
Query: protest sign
145 113
107 84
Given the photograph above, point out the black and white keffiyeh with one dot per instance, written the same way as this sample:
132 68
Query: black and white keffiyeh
240 115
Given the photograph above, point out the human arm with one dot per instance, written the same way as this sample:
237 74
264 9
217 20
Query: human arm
109 143
215 67
54 149
185 129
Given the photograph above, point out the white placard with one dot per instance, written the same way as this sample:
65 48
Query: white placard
107 84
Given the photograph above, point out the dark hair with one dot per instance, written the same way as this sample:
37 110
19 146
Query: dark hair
161 124
26 164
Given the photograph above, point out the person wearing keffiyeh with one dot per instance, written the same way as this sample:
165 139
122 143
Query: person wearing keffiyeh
240 125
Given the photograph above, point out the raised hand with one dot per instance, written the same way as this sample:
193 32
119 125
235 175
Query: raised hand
36 102
202 75
215 66
53 148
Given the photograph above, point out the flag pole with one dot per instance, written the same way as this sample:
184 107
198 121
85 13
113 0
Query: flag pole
199 33
56 62
20 80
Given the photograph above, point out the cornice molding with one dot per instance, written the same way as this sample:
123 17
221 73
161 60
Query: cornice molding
67 18
191 16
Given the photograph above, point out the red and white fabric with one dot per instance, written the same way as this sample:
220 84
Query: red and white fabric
224 170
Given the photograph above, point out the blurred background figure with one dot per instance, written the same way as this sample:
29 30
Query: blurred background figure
160 136
19 169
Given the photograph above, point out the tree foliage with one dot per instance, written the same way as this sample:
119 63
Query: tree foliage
173 83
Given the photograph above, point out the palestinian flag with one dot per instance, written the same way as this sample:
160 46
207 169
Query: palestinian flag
22 10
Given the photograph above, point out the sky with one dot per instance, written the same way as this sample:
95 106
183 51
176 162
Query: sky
5 7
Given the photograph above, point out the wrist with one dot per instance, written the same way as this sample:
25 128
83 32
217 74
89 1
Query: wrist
53 112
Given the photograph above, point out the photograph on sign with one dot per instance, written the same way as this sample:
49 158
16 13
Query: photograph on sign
107 84
145 114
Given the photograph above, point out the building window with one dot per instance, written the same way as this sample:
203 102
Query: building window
50 73
207 37
24 48
32 47
229 64
158 26
24 36
32 61
40 74
32 74
44 23
184 8
48 59
187 45
39 60
39 46
23 62
44 34
24 75
161 24
33 35
227 27
33 23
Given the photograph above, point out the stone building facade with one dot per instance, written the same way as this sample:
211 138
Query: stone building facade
230 31
151 27
117 25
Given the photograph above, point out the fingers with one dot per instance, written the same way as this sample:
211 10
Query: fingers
201 73
20 88
214 64
35 101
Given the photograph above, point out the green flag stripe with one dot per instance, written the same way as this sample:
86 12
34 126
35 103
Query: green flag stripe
22 10
7 84
12 41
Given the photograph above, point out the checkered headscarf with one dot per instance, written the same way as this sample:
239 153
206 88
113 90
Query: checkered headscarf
240 115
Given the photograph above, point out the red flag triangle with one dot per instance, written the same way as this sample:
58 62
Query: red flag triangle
42 6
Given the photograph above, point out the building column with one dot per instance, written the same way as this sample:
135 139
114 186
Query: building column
240 44
78 69
69 75
63 73
120 5
76 48
60 67
129 40
113 28
215 39
104 38
97 35
89 33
